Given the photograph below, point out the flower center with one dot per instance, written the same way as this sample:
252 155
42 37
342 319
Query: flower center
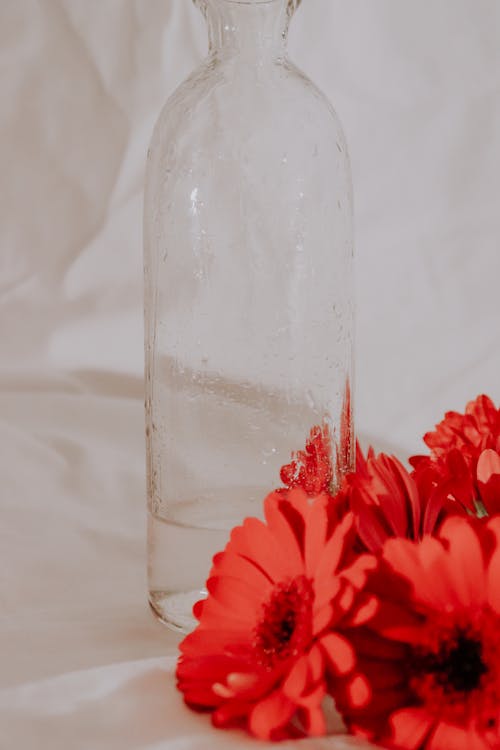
457 666
456 674
284 626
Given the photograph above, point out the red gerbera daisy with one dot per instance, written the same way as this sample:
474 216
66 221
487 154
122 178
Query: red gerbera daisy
471 433
268 632
311 469
464 463
389 502
429 660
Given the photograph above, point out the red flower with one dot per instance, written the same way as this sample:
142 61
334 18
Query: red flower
389 502
345 453
429 659
267 637
464 463
311 469
471 433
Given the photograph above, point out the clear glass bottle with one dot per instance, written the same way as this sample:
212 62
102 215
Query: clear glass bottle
248 292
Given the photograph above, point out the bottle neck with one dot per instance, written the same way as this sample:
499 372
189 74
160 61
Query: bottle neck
253 29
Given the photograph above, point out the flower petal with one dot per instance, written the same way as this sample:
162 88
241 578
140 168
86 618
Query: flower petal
488 465
357 572
493 575
464 562
316 664
230 714
314 722
315 536
371 522
246 569
476 742
296 681
256 541
332 552
314 698
286 543
364 611
410 727
270 714
339 653
233 593
422 565
322 618
359 691
447 736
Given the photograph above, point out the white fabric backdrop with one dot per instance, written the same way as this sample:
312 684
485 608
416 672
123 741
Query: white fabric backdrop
417 87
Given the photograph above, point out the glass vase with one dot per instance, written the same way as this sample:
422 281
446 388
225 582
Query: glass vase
248 292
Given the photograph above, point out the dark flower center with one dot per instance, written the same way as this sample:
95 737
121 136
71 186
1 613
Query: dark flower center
285 621
457 666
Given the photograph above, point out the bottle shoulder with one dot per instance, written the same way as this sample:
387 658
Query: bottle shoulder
317 101
228 98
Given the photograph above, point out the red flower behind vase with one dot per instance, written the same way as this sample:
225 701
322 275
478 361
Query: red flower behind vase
345 454
429 660
464 463
267 638
311 469
322 464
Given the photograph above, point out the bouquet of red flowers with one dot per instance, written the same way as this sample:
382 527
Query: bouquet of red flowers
384 596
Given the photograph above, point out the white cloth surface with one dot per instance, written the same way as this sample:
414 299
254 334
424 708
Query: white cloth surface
72 534
124 707
417 87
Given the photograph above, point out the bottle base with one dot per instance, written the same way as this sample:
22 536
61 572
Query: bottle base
175 609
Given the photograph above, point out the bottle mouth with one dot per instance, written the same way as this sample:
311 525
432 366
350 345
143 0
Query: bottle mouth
258 2
292 5
240 2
